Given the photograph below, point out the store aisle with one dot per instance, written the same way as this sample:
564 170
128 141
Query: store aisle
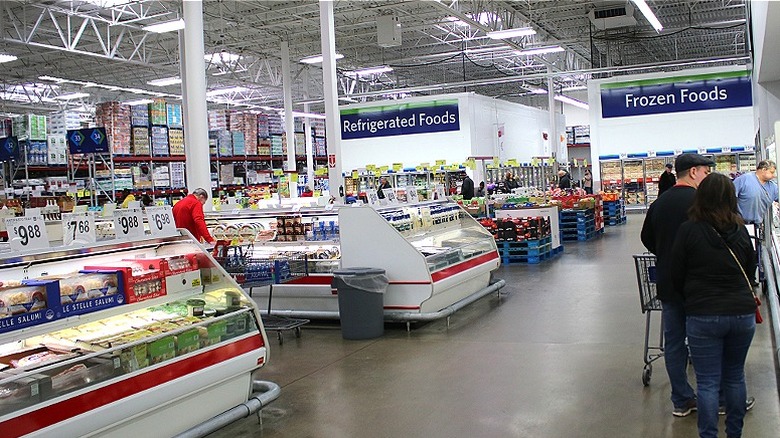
559 355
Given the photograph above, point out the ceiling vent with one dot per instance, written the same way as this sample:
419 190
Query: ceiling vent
612 17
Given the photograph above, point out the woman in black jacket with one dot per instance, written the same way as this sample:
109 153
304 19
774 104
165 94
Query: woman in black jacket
711 254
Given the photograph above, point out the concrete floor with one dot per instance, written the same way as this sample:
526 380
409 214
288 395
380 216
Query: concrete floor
558 355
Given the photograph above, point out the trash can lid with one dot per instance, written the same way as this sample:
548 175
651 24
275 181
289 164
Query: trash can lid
358 271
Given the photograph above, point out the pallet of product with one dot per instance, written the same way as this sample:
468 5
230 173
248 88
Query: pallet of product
174 115
263 126
239 147
224 143
160 141
178 176
264 147
275 125
176 141
139 115
158 112
140 140
581 235
219 120
615 221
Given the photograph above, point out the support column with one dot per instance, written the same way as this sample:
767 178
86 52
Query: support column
332 116
193 70
289 122
551 134
307 135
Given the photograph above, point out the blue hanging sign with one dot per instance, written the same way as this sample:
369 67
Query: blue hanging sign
400 119
9 148
677 94
88 141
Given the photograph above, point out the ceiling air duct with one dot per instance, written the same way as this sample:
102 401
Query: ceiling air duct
612 17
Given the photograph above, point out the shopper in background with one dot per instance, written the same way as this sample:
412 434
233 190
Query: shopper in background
564 179
664 217
127 198
711 253
383 184
667 180
481 190
188 214
307 193
510 183
587 182
146 200
467 188
756 191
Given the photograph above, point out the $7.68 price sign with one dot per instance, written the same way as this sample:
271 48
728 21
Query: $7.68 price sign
78 228
128 223
26 233
161 220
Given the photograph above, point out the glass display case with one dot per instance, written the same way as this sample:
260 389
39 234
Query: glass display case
156 316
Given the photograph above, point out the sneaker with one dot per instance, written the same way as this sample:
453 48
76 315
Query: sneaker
749 403
686 409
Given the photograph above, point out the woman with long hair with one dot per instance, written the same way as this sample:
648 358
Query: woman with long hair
711 255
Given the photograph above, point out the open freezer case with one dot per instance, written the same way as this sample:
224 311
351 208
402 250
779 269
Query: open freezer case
147 338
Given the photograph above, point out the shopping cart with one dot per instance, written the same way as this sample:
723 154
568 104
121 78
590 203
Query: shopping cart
645 277
251 271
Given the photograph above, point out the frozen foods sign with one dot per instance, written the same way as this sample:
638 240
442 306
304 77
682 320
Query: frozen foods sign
677 94
400 119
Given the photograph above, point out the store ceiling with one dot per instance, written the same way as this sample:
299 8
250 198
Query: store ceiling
99 46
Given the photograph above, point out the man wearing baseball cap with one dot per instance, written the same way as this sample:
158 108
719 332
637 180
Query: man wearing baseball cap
667 180
663 219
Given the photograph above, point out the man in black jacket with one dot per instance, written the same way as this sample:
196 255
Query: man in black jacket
467 188
663 219
667 180
564 179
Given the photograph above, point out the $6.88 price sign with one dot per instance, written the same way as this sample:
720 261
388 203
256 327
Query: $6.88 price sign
78 228
161 221
26 233
128 223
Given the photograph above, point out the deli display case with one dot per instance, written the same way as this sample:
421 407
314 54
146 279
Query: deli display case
122 338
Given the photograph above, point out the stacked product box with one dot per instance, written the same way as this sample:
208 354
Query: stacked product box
224 143
161 176
6 127
264 146
176 141
319 127
245 123
160 141
37 152
219 120
275 125
174 115
178 175
90 291
158 112
291 229
239 148
30 126
263 126
57 149
28 303
298 125
61 121
226 175
138 282
142 178
139 115
319 147
140 139
182 272
213 143
277 145
115 117
300 143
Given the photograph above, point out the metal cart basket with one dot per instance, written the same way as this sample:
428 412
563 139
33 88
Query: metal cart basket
645 277
250 271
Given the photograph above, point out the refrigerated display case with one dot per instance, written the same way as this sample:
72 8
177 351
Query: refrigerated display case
120 339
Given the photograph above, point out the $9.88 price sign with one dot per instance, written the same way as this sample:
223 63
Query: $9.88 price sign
78 228
161 221
26 233
128 223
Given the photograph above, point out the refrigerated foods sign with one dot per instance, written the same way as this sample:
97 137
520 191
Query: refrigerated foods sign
677 94
401 119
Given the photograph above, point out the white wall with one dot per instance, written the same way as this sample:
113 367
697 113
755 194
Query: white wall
666 132
576 116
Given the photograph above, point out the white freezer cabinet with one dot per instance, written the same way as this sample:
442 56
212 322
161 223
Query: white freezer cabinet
123 339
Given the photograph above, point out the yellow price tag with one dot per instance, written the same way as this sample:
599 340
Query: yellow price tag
398 167
278 172
512 162
424 165
496 162
471 164
585 162
294 177
80 193
384 169
370 167
551 161
87 193
534 162
267 196
355 174
377 173
420 168
441 162
454 167
317 193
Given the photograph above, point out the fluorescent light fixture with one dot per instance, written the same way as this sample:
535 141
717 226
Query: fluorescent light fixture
221 58
511 33
308 115
221 91
649 15
50 78
7 58
138 102
575 88
572 101
348 99
484 50
167 26
540 50
224 72
71 96
457 21
371 71
537 91
316 59
164 82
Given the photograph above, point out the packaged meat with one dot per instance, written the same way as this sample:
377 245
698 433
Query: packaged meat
37 359
22 299
84 286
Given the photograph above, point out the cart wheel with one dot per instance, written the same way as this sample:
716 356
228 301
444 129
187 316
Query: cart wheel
647 373
281 337
297 332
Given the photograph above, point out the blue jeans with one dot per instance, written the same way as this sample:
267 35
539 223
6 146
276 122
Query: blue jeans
719 346
675 352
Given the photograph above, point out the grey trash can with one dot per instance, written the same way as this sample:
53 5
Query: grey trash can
361 293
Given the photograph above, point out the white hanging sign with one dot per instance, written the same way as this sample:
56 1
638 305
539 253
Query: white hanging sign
438 193
26 233
390 196
128 223
78 228
411 195
161 221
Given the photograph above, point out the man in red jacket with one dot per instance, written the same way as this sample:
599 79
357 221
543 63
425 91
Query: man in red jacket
188 213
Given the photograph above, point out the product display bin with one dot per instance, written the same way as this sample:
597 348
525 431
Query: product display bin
192 345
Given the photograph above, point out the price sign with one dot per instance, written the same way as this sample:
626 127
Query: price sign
411 195
390 195
294 177
702 151
384 169
651 154
25 233
78 228
355 175
161 221
749 148
534 162
585 162
424 165
278 172
440 162
511 162
496 162
471 164
438 194
370 167
726 149
398 166
623 156
677 152
128 223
